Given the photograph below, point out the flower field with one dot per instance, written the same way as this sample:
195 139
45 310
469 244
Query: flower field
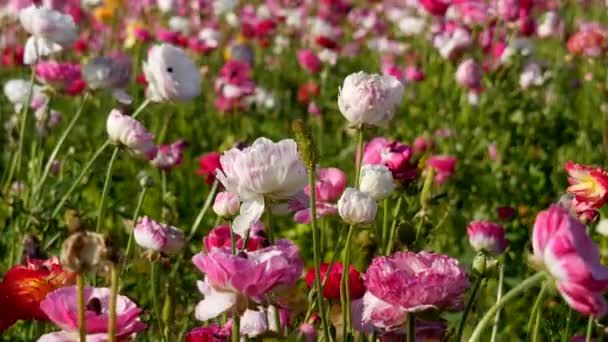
300 170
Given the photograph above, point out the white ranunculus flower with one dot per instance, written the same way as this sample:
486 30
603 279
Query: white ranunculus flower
179 24
171 75
265 169
369 99
50 31
125 131
357 207
17 91
224 6
377 181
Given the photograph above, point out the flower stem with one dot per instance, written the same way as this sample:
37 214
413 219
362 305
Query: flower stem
106 188
267 225
236 327
359 157
512 294
233 243
535 310
393 231
411 328
589 329
64 135
204 209
112 306
154 280
78 179
140 108
501 275
566 334
140 202
344 283
317 253
82 323
468 307
383 238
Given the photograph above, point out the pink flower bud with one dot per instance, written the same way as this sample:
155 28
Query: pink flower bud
309 61
128 132
487 237
469 74
226 204
158 237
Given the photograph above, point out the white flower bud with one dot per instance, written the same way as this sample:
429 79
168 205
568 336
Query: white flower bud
377 181
226 204
357 207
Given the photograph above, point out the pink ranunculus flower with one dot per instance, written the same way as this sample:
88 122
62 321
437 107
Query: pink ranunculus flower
264 169
233 85
413 74
508 10
232 280
469 74
329 186
435 7
226 204
169 156
486 236
64 77
392 154
61 307
444 166
219 237
588 184
158 237
562 246
418 281
309 61
125 131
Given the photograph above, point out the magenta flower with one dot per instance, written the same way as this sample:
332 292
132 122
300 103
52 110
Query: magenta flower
562 246
329 186
61 307
209 333
233 85
444 167
309 61
418 281
392 154
125 131
487 236
169 156
219 237
232 280
435 7
158 237
64 77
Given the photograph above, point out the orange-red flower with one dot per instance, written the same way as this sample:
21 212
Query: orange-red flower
25 286
589 42
588 184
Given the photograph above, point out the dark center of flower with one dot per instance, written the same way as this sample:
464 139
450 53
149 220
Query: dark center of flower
94 305
242 254
170 69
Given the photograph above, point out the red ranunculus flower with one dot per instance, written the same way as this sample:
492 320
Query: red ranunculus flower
331 289
209 163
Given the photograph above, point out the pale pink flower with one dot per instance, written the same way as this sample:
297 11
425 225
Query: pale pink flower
508 10
561 244
308 331
171 75
232 280
125 131
452 42
486 236
469 74
329 185
169 156
444 166
413 74
392 154
61 308
226 204
158 237
264 169
356 207
417 281
309 61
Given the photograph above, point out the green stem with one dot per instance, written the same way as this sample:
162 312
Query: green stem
589 329
411 328
317 253
236 327
468 307
78 179
140 202
536 327
267 224
154 279
535 310
566 334
512 294
359 157
393 231
233 243
106 188
383 238
64 135
345 283
501 275
82 322
112 305
204 209
140 108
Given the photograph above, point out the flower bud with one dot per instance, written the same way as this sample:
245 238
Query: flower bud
306 145
226 204
128 132
158 237
487 237
84 252
376 181
357 207
469 74
483 264
145 181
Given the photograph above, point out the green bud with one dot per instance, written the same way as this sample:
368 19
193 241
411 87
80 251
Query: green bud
306 145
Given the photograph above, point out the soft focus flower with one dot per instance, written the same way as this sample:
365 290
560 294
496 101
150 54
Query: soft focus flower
551 25
308 331
209 333
602 227
562 246
169 156
158 237
435 7
233 86
329 185
125 131
588 184
417 281
171 75
331 283
219 237
392 154
84 252
469 74
532 75
357 207
108 73
61 307
50 31
444 167
309 61
64 77
25 286
226 204
453 42
487 236
508 10
233 279
369 99
17 92
265 169
208 166
589 42
377 181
